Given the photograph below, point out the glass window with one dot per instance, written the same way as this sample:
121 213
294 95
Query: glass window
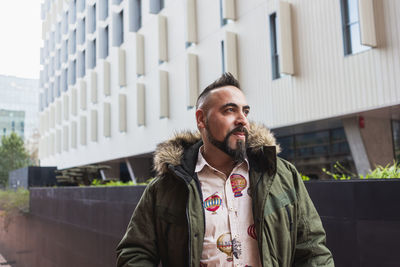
81 31
72 12
156 6
351 27
287 146
311 152
223 56
221 13
118 28
91 54
91 19
103 42
135 15
81 64
103 9
274 47
81 5
72 72
396 139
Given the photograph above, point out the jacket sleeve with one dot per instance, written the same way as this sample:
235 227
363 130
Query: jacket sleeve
311 249
138 246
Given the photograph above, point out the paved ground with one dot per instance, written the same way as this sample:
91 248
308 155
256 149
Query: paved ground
3 262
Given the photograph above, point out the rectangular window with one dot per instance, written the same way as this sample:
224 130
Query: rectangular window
103 45
58 32
91 19
58 59
91 54
118 28
81 31
396 139
72 72
221 13
156 6
81 64
135 15
72 42
72 12
81 5
351 27
57 86
64 23
64 80
103 9
51 90
223 56
274 46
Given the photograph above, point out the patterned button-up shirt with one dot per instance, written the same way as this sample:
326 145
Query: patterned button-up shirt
230 237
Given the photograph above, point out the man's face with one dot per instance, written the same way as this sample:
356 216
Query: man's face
226 125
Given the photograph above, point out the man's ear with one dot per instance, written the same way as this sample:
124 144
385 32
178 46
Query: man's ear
200 119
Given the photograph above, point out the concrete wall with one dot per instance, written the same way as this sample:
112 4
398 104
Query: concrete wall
70 227
82 226
378 140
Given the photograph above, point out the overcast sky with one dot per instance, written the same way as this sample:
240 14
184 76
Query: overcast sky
20 31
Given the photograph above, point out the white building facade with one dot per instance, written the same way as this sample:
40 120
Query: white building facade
120 76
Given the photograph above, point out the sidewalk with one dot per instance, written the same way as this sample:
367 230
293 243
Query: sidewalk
3 262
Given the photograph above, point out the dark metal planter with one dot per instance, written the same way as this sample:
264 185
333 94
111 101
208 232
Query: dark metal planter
362 220
81 226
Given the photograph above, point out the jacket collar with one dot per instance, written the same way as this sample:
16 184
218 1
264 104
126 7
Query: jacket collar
182 150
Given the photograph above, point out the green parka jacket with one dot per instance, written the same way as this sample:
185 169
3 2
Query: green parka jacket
168 224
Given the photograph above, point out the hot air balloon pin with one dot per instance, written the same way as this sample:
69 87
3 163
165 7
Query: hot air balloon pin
251 231
238 183
212 203
224 244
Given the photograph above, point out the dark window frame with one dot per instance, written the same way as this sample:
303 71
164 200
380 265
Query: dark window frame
274 46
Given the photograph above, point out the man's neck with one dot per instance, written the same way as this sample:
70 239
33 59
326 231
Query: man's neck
218 159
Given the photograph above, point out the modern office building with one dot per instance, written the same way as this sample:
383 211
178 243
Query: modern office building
19 106
120 76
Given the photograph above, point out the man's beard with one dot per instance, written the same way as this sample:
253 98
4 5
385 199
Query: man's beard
239 153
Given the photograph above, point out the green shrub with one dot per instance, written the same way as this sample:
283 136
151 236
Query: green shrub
387 172
97 182
304 177
13 203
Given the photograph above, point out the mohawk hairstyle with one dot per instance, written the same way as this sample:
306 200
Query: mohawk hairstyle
227 79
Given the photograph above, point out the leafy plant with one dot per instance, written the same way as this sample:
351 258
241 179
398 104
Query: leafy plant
304 177
13 155
387 172
13 203
97 182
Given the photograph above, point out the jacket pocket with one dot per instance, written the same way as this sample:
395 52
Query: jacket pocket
169 215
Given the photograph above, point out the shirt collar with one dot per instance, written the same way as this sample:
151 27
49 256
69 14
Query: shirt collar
201 162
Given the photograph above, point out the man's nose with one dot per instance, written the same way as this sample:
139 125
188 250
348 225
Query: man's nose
241 119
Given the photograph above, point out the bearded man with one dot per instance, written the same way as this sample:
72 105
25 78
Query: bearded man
222 197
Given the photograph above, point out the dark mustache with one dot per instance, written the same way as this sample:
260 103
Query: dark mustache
239 129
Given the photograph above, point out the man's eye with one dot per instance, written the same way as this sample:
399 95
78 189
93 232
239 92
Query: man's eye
246 112
229 109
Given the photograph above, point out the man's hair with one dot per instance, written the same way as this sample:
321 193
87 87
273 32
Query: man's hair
226 79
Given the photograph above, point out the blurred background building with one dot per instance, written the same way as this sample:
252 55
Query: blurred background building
120 76
19 106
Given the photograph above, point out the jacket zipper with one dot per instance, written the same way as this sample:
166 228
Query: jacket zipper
260 221
201 197
181 176
290 218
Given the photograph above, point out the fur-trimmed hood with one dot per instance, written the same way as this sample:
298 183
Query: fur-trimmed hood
171 151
